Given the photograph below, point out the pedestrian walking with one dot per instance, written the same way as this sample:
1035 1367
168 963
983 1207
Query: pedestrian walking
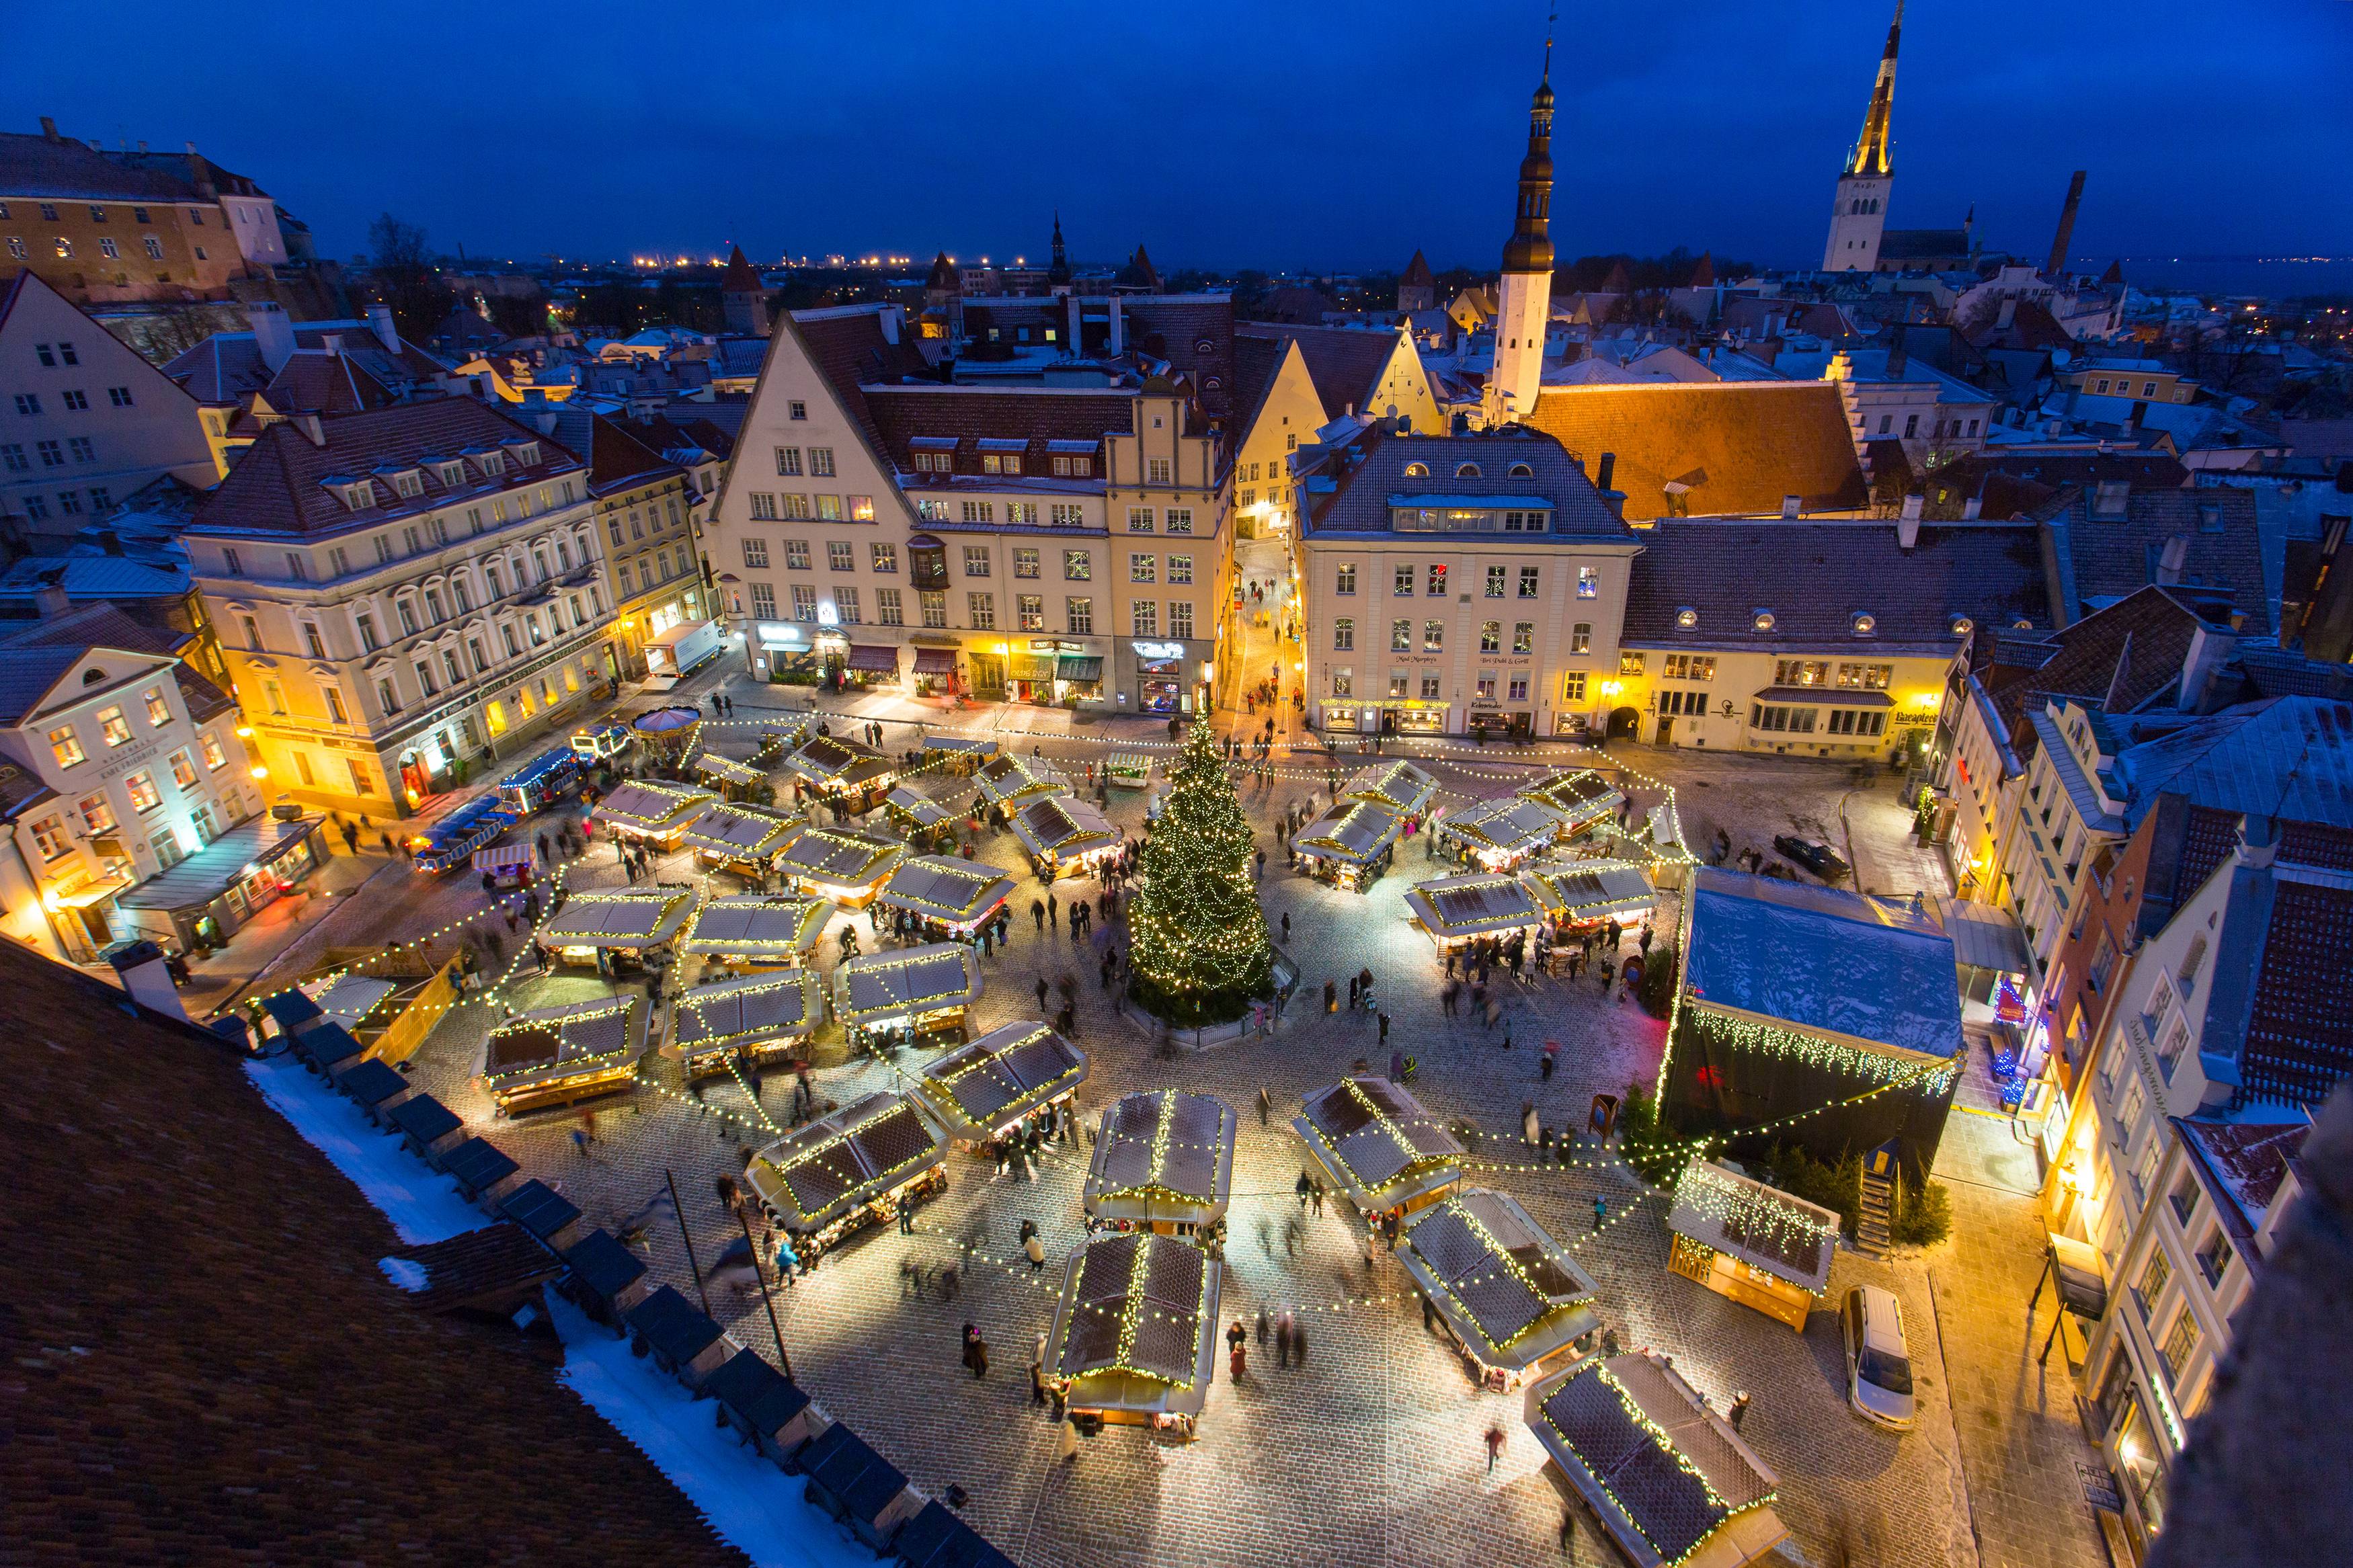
1494 1447
1355 990
1600 1212
1299 1345
1041 994
1066 1440
1265 1105
979 1357
1528 1124
1263 1324
1052 912
1384 1018
1038 913
1238 1361
1035 1250
1286 926
906 1206
1331 999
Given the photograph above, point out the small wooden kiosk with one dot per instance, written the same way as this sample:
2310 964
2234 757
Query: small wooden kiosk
1163 1162
1008 777
555 1056
1498 835
1127 769
842 1172
762 1017
1403 787
1134 1338
732 779
649 811
916 992
1756 1245
1513 1298
984 1090
836 863
1372 1140
613 930
1457 910
1065 835
1351 843
950 896
756 931
929 801
851 776
1580 894
958 754
739 839
1579 798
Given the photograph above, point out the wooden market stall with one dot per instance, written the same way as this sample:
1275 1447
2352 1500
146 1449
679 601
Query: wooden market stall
1351 843
1009 776
745 839
930 800
852 775
1513 1298
1579 798
649 811
1457 909
610 929
1498 835
1163 1162
957 755
1668 1478
554 1055
916 992
837 863
1128 770
1756 1245
732 779
760 1018
951 897
1406 788
1576 894
1372 1140
1066 837
756 931
845 1171
981 1091
1134 1337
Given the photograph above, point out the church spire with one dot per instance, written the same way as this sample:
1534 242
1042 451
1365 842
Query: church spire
1870 154
1059 272
1530 248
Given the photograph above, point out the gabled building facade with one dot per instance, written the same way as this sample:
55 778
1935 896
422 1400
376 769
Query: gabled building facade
110 228
1296 380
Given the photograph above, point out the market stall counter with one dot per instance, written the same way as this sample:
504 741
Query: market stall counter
1350 845
1457 909
845 1171
1513 1298
555 1056
1163 1162
760 1018
1585 893
612 930
914 993
1750 1243
732 779
756 931
1065 836
1128 770
739 839
1374 1143
836 863
1133 1340
981 1091
949 895
929 801
958 755
652 813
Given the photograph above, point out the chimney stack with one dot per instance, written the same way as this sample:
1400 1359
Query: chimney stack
1606 472
2170 560
140 967
380 318
2060 241
49 128
1790 505
1972 509
273 334
1907 525
49 600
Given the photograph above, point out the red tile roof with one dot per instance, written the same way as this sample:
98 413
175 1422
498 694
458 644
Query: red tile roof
849 350
1739 446
970 414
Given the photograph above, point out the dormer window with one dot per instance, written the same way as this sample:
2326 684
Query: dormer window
1467 471
359 495
1520 471
1962 625
1865 623
492 464
1686 618
408 482
1762 620
452 473
1417 470
526 453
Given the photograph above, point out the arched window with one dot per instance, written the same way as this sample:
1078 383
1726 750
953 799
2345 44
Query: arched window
1417 470
1467 471
1521 471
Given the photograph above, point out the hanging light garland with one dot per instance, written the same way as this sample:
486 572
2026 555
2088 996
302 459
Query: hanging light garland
1833 1056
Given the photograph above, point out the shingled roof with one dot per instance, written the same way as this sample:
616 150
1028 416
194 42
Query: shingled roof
1360 503
967 415
270 1392
1739 446
850 351
1343 362
2113 660
2098 555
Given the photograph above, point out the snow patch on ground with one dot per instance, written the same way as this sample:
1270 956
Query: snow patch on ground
422 1206
405 1272
751 1504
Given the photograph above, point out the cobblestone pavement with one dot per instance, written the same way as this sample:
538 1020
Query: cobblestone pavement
1372 1452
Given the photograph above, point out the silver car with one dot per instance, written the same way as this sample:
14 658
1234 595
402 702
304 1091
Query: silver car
1878 1369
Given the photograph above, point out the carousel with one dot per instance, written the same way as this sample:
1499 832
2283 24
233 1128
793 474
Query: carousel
848 1170
1514 1300
1579 798
666 733
555 1056
1459 910
1008 777
910 992
1400 787
1163 1162
1498 835
1134 1336
743 839
1374 1141
951 897
836 863
846 773
613 930
1350 845
756 931
982 1091
651 813
759 1019
1065 836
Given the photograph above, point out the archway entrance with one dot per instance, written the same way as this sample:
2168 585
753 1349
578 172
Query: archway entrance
1623 724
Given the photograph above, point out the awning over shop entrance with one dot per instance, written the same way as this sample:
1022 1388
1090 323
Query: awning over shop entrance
1030 666
220 865
935 661
1079 666
878 661
1985 936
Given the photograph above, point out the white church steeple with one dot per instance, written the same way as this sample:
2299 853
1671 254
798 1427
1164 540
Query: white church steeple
1524 301
1859 210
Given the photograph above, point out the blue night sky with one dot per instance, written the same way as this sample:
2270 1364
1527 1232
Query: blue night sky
1221 133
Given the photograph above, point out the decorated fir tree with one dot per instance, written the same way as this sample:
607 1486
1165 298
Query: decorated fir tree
1201 949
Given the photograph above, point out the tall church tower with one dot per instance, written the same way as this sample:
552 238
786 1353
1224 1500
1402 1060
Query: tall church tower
1524 301
744 299
1859 213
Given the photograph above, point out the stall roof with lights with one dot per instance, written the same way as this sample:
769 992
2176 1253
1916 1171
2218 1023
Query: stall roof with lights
549 1044
1501 829
1162 1157
1378 1141
902 982
943 887
736 831
979 1089
1591 889
1135 1328
1062 826
1010 776
780 1006
1764 1227
650 806
1578 796
637 919
1353 832
1404 788
931 799
711 766
833 858
1481 904
1511 1294
756 925
832 762
816 1173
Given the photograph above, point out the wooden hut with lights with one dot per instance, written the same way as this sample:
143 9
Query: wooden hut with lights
756 931
1514 1300
556 1055
1750 1243
1134 1336
848 775
761 1017
1499 835
1668 1478
1578 797
1397 785
1459 910
957 755
1577 895
651 813
951 897
1009 776
910 992
927 802
1127 769
732 779
1163 1162
1066 837
623 929
1350 845
836 863
743 839
982 1090
832 1178
1796 998
1373 1141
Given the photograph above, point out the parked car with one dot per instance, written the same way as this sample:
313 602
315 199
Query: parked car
1812 853
1878 1369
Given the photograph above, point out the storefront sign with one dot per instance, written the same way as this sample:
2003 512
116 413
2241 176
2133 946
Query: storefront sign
780 633
1159 650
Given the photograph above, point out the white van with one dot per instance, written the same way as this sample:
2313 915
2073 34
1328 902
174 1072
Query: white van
1878 1369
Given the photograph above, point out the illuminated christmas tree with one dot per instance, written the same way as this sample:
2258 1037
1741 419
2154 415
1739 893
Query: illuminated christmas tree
1201 948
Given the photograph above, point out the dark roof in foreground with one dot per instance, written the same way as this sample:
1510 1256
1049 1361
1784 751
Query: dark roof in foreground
264 1391
1739 446
1371 469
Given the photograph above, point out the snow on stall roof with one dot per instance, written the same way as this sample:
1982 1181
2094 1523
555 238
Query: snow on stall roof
423 1206
1833 961
405 1272
749 1502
